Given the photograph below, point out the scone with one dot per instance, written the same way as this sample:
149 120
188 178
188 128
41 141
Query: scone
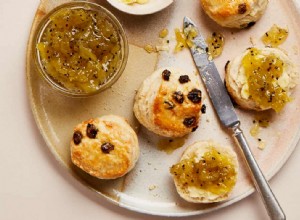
105 147
235 14
206 172
169 102
261 79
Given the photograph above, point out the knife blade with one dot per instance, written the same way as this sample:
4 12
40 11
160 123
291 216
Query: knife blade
228 117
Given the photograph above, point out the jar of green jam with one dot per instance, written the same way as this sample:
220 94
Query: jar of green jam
80 48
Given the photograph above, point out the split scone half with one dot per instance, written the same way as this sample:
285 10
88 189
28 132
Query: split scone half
105 147
235 14
169 102
206 172
261 79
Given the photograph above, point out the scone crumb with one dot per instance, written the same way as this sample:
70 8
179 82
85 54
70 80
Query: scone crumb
149 48
261 145
254 131
296 50
162 48
152 187
252 41
163 33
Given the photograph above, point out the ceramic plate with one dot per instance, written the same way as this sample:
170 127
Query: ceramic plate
149 187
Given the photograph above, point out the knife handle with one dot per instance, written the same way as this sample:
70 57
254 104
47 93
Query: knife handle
274 210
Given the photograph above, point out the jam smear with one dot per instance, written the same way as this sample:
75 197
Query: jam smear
262 72
275 36
215 44
185 39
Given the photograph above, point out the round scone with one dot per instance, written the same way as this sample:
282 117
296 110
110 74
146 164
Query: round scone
261 79
105 147
235 14
206 172
169 102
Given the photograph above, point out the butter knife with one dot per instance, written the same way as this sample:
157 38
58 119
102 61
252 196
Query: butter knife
228 117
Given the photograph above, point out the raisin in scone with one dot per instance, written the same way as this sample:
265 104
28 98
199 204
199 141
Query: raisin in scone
206 172
169 102
105 147
261 79
234 14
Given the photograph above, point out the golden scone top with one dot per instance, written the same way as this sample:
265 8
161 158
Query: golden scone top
226 8
178 103
235 14
104 148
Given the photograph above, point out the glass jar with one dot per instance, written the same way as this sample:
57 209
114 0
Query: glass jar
80 48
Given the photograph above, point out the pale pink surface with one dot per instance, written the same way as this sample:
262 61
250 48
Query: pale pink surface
34 186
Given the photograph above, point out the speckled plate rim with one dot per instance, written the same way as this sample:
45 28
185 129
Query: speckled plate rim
123 205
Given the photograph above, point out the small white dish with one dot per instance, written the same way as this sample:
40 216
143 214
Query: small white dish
151 7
